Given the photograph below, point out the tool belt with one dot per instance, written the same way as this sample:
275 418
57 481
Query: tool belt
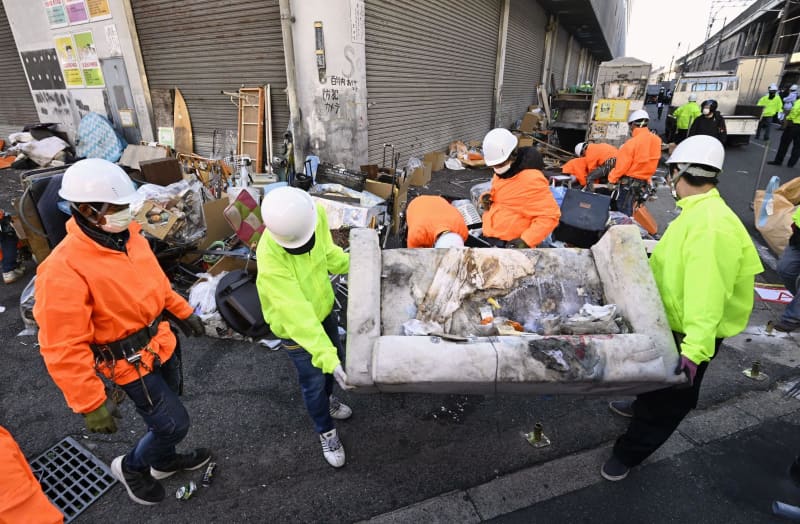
127 348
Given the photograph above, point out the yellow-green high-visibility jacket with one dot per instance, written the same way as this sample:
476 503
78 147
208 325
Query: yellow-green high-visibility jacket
796 217
296 293
705 267
771 106
794 114
686 114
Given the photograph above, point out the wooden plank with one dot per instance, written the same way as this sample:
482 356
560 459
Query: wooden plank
184 142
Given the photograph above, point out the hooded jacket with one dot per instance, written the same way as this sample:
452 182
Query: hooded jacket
638 157
428 216
594 156
86 294
296 293
705 267
522 207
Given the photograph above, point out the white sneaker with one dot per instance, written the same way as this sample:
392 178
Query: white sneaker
12 276
332 448
338 410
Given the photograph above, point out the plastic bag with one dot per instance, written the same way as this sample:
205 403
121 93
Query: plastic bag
453 164
766 208
202 294
182 204
26 302
412 164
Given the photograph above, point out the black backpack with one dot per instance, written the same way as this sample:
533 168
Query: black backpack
239 305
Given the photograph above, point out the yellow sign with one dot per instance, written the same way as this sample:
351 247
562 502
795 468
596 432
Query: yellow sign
98 9
68 57
609 110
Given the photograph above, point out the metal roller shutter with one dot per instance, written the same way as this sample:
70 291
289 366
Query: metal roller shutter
559 60
17 107
203 48
527 23
575 58
430 73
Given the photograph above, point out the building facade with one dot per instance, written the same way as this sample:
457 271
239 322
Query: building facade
346 76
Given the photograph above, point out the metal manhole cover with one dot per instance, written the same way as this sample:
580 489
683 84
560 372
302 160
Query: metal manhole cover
71 477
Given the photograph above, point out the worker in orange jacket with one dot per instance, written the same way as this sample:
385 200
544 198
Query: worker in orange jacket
434 222
590 157
21 495
100 296
636 162
638 157
519 208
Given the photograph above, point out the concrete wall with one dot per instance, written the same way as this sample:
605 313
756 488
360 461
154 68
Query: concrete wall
333 108
32 32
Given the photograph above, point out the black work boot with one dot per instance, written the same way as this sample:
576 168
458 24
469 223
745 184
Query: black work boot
196 459
141 486
794 471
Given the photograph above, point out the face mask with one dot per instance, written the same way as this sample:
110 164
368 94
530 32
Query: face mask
706 111
117 222
502 169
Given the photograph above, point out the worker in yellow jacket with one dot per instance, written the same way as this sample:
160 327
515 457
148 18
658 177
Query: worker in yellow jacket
684 117
772 105
704 267
295 256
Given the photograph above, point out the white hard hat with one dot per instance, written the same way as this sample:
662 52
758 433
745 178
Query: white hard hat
693 98
449 239
793 88
290 216
699 149
498 144
773 87
97 180
579 148
639 114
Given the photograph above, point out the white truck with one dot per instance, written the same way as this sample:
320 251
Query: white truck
736 92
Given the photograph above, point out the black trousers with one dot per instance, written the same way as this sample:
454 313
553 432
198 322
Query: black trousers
791 135
656 415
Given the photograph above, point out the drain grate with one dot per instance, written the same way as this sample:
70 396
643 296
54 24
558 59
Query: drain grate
71 477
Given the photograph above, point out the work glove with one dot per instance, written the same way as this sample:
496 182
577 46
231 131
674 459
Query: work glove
687 367
101 420
341 377
486 201
195 323
517 243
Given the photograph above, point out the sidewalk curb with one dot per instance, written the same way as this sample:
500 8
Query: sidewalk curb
570 473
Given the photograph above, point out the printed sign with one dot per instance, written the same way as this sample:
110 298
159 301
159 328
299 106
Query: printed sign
77 12
90 64
56 13
68 58
98 9
43 70
610 110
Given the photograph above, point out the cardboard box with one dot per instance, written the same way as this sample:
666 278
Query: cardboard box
155 220
524 141
436 159
421 176
382 189
161 171
531 122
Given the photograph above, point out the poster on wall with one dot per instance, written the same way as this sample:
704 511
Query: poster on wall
68 57
56 13
76 11
42 69
98 9
87 55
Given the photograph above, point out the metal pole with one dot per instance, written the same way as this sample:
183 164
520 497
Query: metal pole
760 171
291 77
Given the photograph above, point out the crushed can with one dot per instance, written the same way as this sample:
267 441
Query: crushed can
186 492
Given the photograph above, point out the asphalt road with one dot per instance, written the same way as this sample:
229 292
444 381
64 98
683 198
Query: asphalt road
401 448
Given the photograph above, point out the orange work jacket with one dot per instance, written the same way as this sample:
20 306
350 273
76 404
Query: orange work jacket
21 496
522 207
638 157
594 156
90 294
429 216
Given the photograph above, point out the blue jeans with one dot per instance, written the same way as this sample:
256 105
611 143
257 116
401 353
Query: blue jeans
789 271
8 245
315 385
167 420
